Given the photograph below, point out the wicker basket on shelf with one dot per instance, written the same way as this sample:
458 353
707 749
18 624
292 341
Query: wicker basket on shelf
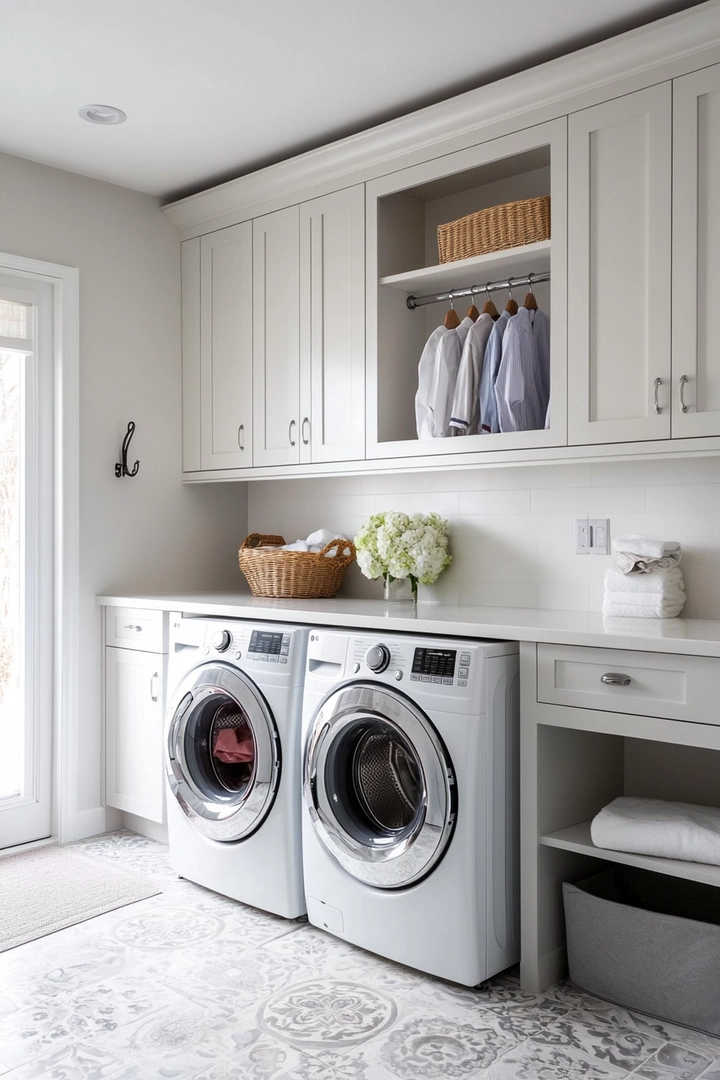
508 225
300 574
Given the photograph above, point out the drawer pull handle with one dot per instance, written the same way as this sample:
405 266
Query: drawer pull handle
656 385
130 626
615 678
683 405
292 424
153 686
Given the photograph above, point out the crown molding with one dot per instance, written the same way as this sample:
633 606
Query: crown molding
380 149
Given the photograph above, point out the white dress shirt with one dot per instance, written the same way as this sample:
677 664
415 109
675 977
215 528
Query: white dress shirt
520 393
491 366
447 365
465 414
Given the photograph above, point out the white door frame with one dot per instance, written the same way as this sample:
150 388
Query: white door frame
66 364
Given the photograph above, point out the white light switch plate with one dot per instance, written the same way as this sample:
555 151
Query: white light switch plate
592 536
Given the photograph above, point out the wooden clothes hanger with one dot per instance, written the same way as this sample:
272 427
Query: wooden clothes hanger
511 306
452 319
490 308
473 313
530 302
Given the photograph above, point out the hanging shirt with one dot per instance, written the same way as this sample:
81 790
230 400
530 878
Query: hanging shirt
426 375
519 388
491 366
541 334
465 414
447 365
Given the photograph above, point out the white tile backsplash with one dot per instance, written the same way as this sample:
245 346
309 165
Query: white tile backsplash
512 529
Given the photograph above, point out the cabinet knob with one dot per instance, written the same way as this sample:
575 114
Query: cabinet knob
683 379
241 437
657 384
615 678
305 438
290 432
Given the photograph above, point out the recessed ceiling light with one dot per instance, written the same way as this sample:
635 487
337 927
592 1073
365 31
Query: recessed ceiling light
102 114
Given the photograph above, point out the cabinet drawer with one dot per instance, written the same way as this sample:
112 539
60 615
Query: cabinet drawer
130 628
648 684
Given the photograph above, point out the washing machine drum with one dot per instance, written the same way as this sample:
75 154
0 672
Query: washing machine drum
222 752
379 785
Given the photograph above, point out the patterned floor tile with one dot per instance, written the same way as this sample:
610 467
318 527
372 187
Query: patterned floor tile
190 984
535 1061
674 1063
600 1042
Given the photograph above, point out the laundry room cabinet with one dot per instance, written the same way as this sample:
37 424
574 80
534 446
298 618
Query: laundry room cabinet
135 676
619 295
696 254
597 724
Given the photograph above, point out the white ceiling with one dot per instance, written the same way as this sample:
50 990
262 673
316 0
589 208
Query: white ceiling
217 88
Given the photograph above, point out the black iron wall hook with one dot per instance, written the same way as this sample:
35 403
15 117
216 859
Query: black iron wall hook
121 469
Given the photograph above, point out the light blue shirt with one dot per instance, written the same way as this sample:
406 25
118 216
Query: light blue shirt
491 366
523 381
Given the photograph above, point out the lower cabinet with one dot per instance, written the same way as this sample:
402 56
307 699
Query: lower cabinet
134 715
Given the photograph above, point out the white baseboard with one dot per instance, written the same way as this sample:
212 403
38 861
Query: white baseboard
83 823
151 829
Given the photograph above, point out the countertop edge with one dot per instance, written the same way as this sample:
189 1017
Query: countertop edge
695 637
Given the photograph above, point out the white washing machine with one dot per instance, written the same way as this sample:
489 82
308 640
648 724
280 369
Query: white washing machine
410 809
232 756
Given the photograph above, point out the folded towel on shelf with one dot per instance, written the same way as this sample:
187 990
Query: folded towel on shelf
316 541
644 554
666 582
671 830
632 607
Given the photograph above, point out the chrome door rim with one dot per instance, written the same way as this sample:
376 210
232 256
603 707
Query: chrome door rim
222 819
383 863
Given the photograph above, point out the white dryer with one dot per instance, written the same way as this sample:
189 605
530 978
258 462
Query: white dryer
232 756
410 810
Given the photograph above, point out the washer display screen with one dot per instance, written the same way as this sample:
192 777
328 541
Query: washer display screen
438 662
265 641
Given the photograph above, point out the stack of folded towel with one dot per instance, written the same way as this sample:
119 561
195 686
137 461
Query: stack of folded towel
647 582
655 827
316 541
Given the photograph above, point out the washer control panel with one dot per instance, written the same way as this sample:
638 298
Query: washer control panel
269 646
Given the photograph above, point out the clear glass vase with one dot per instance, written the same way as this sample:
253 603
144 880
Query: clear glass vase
400 590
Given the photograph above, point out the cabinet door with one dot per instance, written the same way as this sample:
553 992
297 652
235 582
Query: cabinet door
332 320
134 770
226 348
276 306
190 285
696 254
619 216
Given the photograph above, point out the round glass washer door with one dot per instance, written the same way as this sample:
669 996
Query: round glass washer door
379 785
222 752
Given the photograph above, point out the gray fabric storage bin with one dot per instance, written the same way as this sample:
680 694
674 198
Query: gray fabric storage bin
648 942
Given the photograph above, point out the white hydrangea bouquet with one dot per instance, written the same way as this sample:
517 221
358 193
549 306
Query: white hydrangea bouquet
392 546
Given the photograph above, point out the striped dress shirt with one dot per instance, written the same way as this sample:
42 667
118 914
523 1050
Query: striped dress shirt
491 366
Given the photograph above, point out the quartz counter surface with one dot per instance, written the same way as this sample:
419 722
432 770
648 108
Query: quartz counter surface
696 637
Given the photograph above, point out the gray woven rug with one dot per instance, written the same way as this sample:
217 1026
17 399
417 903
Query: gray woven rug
45 890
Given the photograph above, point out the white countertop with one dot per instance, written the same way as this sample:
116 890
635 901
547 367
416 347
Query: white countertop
695 637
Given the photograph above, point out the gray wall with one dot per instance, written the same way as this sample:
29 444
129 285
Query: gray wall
149 533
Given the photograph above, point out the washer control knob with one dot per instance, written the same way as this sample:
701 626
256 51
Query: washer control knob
398 676
221 640
377 658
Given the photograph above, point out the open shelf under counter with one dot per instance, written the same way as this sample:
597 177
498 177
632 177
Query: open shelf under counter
577 838
498 265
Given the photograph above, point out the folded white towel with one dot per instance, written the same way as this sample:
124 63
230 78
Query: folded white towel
316 541
659 581
655 827
629 564
657 609
645 547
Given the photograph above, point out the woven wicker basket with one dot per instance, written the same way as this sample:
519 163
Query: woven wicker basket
498 227
300 574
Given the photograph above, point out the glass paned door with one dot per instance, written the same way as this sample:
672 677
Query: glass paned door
26 562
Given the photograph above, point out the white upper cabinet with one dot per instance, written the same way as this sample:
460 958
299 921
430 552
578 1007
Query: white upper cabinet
696 254
619 293
332 320
190 299
226 348
404 210
276 338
